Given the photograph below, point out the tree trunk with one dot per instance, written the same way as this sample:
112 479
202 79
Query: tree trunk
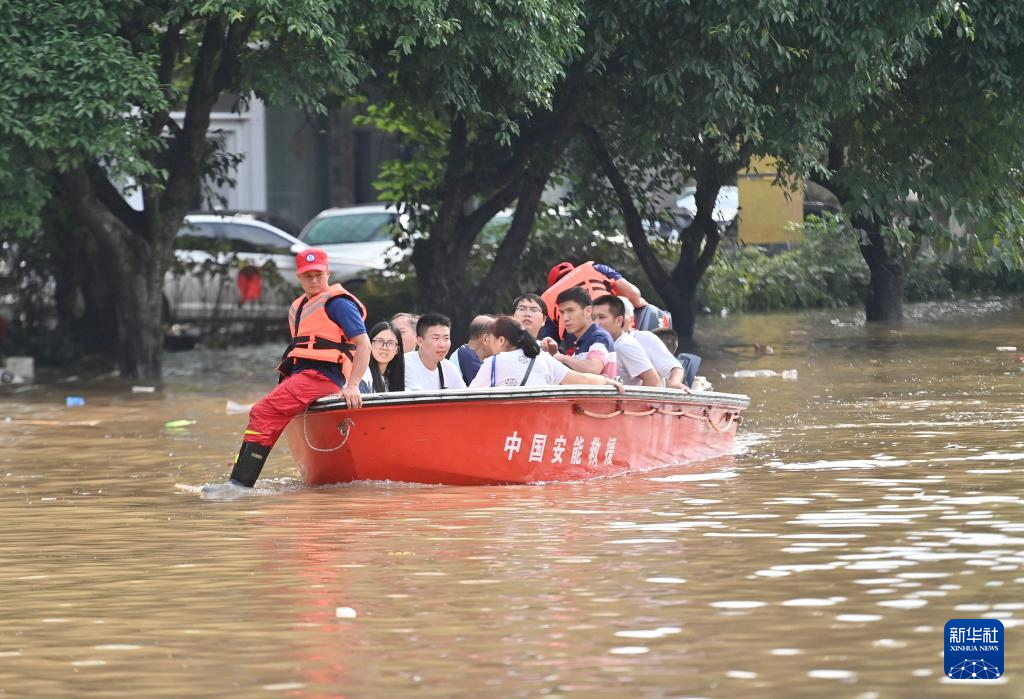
699 246
884 302
440 272
84 302
503 275
699 241
134 257
138 311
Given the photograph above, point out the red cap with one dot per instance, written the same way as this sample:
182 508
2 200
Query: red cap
559 271
311 260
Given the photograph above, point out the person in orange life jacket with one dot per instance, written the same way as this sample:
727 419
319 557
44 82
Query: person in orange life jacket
589 352
329 351
633 364
615 282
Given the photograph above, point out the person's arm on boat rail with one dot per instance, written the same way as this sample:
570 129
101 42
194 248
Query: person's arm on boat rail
586 366
675 380
592 379
360 362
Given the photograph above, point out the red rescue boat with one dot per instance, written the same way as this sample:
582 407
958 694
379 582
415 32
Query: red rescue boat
510 435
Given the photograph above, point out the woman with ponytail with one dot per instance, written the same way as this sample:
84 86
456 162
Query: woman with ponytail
518 361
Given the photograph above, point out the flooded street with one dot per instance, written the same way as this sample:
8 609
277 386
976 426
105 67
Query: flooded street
869 502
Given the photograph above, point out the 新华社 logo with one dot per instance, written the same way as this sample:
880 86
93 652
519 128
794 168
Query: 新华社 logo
974 649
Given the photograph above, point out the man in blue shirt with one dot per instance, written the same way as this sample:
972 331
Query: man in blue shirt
591 350
329 343
471 355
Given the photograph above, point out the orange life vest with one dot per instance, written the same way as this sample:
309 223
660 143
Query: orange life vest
586 276
314 335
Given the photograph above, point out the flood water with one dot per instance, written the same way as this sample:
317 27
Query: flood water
869 502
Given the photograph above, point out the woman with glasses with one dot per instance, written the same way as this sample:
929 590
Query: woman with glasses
386 373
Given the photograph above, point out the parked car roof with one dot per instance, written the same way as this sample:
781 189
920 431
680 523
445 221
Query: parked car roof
340 263
281 222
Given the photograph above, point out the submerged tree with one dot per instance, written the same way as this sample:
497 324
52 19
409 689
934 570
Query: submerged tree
945 146
638 100
758 81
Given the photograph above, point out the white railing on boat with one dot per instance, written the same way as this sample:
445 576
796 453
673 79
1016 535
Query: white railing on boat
666 395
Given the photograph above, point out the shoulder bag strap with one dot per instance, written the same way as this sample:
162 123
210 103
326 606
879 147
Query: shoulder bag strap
528 370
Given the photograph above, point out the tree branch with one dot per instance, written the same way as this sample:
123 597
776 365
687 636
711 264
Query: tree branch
657 275
111 197
538 135
165 74
237 38
112 234
507 260
471 225
190 143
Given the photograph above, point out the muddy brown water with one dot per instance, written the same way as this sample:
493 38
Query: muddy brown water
869 502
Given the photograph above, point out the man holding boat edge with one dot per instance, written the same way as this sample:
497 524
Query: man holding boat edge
329 345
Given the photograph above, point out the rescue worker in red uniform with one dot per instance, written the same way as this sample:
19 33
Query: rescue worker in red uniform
329 351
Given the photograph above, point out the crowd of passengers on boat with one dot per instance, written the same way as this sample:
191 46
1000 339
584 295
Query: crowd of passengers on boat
579 331
582 330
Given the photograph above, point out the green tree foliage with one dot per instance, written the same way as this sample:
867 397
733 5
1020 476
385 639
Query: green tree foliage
946 142
86 94
483 114
640 97
730 83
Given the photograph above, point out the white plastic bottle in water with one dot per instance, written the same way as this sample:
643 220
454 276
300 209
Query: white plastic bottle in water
790 375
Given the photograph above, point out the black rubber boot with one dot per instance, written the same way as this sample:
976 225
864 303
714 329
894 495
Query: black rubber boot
249 463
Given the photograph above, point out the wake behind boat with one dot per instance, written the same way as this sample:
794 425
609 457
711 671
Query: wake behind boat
510 435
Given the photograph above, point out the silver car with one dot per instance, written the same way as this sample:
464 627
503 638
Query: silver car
236 268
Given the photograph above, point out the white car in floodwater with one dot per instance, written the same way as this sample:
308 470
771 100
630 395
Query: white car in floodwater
236 268
364 234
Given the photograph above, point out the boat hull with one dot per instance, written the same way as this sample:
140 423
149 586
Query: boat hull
472 437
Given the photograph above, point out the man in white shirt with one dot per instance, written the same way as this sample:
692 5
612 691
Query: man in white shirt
426 368
665 363
635 369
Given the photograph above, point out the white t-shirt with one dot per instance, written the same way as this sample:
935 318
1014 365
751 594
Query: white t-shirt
419 378
657 353
511 366
632 360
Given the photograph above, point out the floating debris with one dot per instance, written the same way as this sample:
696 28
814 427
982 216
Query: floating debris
233 408
178 424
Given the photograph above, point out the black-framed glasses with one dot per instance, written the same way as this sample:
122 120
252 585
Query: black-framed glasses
385 344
